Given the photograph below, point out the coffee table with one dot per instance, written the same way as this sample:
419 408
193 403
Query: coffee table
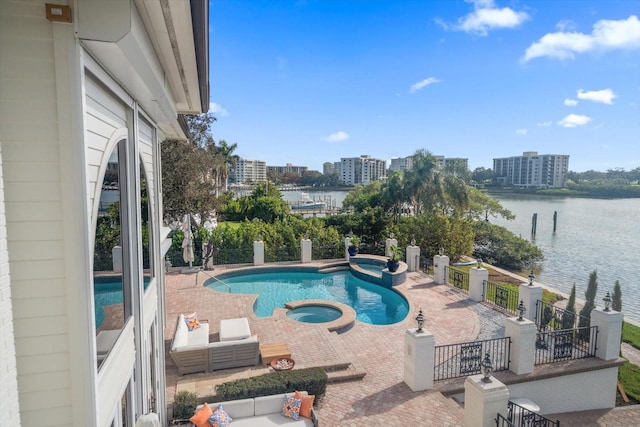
269 352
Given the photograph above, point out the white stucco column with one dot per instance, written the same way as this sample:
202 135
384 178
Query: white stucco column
347 243
529 295
609 325
440 264
258 252
483 401
116 256
523 335
477 278
413 258
419 353
305 250
388 243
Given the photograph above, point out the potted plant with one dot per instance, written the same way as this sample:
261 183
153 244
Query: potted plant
353 247
395 255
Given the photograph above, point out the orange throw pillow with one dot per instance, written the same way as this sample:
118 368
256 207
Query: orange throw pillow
201 417
306 403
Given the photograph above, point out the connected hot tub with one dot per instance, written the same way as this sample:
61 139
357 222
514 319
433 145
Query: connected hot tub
314 314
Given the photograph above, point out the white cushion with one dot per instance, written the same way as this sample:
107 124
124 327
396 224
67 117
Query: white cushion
234 329
271 420
270 404
180 338
106 340
198 336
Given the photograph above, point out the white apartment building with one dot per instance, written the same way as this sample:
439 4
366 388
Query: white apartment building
288 168
88 91
401 163
248 171
362 170
406 163
532 170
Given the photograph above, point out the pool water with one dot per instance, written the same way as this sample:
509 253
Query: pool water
107 291
314 314
373 304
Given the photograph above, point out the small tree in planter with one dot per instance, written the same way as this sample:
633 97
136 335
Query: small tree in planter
395 256
355 244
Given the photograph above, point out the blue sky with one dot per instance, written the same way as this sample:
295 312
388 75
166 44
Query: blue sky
306 82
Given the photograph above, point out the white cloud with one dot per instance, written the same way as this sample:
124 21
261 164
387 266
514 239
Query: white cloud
545 124
521 131
606 35
570 102
573 120
337 137
487 17
566 25
218 109
605 96
424 83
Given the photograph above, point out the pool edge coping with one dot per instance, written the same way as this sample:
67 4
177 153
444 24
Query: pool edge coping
346 320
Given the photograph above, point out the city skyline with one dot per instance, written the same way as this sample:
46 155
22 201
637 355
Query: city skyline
311 81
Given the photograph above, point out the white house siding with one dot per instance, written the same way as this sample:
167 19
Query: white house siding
32 189
105 116
146 139
9 406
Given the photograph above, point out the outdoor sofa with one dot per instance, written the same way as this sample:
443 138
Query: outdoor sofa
264 411
192 352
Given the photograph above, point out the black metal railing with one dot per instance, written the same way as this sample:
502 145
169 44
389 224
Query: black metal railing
549 316
502 421
458 279
503 297
520 416
566 344
462 359
233 256
281 254
425 265
330 251
372 248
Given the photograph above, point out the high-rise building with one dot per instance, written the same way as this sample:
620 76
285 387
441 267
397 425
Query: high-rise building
328 168
288 168
532 170
247 171
107 82
406 163
401 163
362 170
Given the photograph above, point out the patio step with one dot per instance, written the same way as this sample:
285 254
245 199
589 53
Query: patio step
344 374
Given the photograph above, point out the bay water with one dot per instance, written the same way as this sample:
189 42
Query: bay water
591 234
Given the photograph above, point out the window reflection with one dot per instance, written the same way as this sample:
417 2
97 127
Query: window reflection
107 262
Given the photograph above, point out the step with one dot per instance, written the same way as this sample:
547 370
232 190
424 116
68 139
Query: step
350 373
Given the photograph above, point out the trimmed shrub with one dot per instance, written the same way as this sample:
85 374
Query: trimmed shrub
184 405
312 380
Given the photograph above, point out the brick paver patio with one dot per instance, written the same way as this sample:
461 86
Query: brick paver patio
381 398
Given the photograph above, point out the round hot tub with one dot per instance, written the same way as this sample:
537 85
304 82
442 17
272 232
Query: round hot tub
314 314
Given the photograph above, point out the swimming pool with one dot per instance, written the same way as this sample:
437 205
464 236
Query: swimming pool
108 291
373 304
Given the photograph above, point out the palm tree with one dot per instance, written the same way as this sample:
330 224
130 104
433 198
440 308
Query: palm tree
226 159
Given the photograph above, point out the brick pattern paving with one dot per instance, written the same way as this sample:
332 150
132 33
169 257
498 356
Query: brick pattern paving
381 398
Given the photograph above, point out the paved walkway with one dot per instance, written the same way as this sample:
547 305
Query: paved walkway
381 398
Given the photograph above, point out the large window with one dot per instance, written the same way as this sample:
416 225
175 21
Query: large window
111 299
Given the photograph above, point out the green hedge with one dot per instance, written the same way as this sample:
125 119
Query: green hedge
312 380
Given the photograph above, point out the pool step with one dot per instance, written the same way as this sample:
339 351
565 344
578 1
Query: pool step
333 269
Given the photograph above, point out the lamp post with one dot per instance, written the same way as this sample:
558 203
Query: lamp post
420 320
521 310
487 368
607 302
531 277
